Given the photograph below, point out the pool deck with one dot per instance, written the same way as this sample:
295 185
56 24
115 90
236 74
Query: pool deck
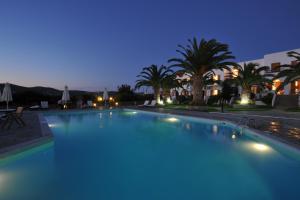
18 138
276 124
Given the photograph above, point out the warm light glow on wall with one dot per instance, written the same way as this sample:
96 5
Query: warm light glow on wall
169 100
235 72
245 100
160 102
276 84
215 92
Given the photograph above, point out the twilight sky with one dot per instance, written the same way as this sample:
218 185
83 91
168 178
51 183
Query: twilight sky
95 44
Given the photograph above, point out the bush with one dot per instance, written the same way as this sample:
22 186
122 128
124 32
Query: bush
267 99
125 94
213 100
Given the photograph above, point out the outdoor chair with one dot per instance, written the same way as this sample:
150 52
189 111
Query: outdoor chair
152 104
89 104
145 104
35 107
44 104
14 117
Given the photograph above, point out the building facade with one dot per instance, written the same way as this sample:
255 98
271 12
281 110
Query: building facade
273 60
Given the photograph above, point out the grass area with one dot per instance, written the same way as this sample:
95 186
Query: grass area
248 109
297 109
216 108
189 107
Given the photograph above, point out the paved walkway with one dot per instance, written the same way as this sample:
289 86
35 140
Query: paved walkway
281 125
16 135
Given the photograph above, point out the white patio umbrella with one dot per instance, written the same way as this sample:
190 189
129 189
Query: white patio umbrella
66 96
105 95
6 95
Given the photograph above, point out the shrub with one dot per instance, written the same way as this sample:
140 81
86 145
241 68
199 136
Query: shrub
267 99
213 100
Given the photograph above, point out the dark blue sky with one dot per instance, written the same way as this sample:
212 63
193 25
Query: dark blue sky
96 44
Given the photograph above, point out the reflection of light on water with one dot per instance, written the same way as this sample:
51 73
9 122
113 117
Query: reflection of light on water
130 113
172 119
259 147
233 136
52 125
188 126
215 129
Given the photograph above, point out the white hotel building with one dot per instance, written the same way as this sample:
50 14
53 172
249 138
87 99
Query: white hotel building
273 60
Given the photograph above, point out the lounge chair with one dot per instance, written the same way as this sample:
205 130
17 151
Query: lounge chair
44 105
89 104
35 107
145 104
152 104
16 116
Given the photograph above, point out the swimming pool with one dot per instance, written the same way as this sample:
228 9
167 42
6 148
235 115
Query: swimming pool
128 154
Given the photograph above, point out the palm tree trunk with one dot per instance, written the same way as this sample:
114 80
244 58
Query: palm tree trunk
245 96
197 90
157 94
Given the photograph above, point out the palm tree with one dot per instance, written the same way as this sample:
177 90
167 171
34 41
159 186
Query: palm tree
153 76
199 59
290 74
169 82
249 75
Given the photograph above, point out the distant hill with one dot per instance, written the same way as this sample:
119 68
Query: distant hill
45 91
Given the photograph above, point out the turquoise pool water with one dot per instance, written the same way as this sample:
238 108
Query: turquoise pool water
125 154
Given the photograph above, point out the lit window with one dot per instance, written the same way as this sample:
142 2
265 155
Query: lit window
216 77
215 92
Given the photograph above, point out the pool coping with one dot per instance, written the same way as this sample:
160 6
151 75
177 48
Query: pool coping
46 136
254 132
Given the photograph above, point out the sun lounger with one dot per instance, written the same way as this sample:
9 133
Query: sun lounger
89 104
35 107
14 117
44 105
152 104
145 103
